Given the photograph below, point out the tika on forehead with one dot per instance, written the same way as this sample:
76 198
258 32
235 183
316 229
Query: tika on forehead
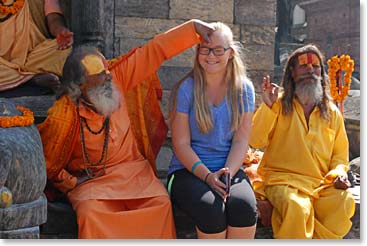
94 64
308 59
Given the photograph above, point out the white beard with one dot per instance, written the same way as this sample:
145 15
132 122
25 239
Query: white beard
106 98
309 90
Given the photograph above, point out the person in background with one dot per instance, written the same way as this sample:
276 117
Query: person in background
34 43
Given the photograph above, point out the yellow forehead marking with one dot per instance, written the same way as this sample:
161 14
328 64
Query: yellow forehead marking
308 59
93 64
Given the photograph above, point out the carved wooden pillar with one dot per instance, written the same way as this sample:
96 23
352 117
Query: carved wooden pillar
92 22
23 206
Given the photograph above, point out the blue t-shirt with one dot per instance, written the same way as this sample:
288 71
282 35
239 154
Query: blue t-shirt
213 147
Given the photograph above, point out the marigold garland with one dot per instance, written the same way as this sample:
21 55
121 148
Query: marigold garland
336 64
25 120
10 7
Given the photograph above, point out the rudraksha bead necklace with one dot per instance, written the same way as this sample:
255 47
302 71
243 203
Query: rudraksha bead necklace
86 160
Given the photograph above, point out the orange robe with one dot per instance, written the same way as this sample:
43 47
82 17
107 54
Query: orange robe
25 51
128 201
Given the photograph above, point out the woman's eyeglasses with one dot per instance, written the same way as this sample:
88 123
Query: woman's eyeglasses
217 51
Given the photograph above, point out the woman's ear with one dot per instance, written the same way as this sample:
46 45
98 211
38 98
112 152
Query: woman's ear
231 54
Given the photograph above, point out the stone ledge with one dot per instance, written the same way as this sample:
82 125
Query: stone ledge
38 104
24 215
23 233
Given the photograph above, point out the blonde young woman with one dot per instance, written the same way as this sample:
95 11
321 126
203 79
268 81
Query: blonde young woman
211 114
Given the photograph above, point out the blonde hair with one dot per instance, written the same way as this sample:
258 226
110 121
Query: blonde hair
234 77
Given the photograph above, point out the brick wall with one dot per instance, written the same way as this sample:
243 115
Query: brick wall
334 25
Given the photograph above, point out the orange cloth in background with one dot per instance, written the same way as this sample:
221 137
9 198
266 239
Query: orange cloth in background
252 157
129 194
25 51
251 163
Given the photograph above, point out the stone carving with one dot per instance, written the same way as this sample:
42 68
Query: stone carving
23 206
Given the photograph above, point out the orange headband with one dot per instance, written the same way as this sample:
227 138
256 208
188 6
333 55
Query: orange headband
308 59
94 64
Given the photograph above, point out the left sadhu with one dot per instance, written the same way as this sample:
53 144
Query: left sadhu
90 148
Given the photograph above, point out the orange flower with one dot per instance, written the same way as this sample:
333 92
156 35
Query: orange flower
346 64
25 120
10 7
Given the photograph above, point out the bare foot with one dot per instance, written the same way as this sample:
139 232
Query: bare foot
47 80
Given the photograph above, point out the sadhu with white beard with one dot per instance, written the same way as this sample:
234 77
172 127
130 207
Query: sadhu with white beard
305 163
91 149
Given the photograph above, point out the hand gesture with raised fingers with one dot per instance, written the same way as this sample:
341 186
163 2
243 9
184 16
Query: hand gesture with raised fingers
269 91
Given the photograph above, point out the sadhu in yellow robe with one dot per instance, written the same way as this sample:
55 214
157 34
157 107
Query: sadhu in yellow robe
297 171
24 49
129 201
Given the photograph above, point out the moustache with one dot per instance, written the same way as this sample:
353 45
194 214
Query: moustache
308 76
107 84
107 87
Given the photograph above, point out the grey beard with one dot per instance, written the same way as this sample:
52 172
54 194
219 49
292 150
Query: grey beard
105 98
309 90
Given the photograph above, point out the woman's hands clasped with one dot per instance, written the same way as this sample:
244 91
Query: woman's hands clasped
214 181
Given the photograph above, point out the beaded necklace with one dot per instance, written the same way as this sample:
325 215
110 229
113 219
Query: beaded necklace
87 162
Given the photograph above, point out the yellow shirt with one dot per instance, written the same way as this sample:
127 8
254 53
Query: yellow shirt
305 157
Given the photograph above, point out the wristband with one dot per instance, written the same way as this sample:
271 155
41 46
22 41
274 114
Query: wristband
195 165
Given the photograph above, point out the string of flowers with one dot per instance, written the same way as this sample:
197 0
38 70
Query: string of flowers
336 65
25 120
10 7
